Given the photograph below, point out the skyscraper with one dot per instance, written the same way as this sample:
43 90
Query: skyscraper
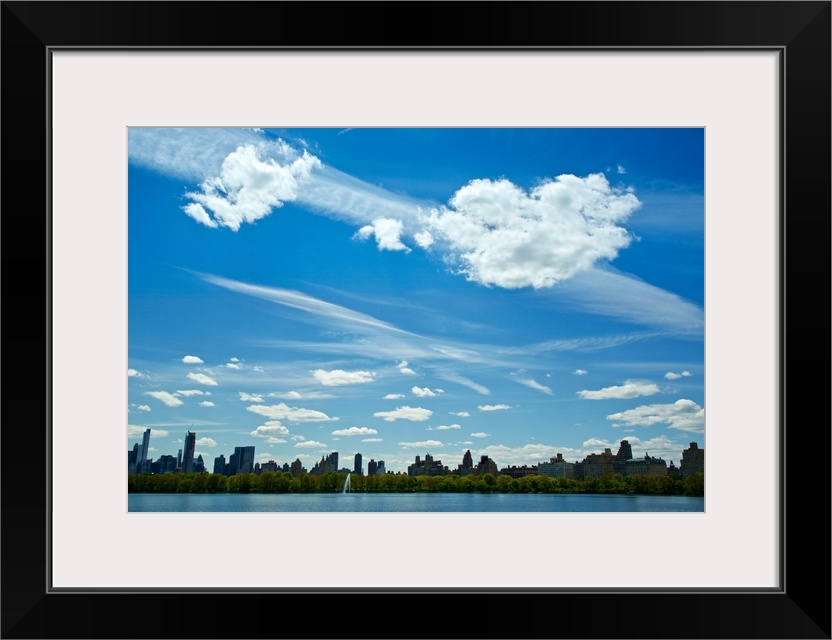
188 454
242 460
141 459
358 466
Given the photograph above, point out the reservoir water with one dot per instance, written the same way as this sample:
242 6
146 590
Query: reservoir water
409 502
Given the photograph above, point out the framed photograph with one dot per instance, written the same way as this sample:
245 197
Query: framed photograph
312 242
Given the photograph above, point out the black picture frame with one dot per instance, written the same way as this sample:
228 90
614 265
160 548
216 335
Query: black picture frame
800 608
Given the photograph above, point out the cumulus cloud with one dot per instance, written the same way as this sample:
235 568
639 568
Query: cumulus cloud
271 428
493 407
168 398
675 376
480 434
355 431
393 396
206 442
143 407
189 392
253 180
628 390
500 235
387 231
310 444
424 392
402 366
461 414
206 403
579 372
233 365
192 360
292 414
425 444
414 414
135 431
683 414
133 373
444 427
534 384
202 379
372 440
339 377
250 397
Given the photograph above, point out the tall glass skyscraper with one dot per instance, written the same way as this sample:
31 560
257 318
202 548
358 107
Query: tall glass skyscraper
141 458
358 464
188 454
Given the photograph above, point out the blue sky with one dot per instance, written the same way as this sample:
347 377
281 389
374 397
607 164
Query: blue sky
396 292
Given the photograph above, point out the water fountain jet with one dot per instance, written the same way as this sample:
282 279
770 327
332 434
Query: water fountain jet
346 488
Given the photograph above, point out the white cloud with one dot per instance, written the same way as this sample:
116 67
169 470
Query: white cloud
683 414
621 169
168 398
310 444
273 440
132 373
480 434
465 382
402 366
534 384
461 414
425 444
339 377
372 440
674 376
424 239
271 428
628 390
189 392
143 407
206 403
500 235
252 181
135 431
355 431
233 359
493 407
233 365
206 442
414 414
192 360
250 397
445 427
393 396
292 414
202 379
579 372
424 392
387 232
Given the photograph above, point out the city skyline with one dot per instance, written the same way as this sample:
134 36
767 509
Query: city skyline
516 292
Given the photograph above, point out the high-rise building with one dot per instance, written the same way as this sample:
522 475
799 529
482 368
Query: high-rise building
219 465
381 468
188 454
359 468
468 460
141 459
242 460
372 467
625 452
693 460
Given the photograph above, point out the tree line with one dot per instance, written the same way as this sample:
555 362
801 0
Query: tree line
285 482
